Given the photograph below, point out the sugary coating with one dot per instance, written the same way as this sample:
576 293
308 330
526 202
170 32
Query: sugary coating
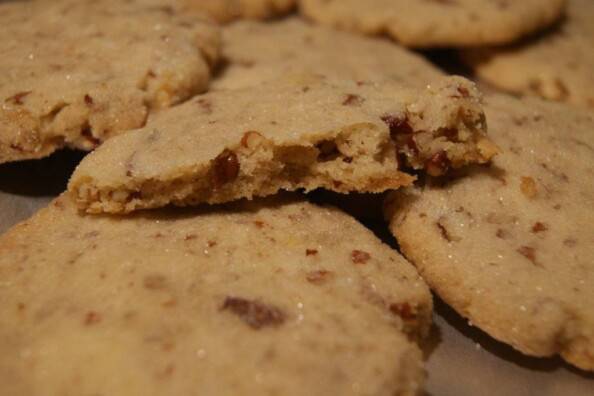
275 297
78 83
510 246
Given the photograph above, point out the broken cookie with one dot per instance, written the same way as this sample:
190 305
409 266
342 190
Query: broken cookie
304 132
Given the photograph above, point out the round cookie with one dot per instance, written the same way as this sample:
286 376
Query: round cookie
255 52
268 298
299 132
438 23
76 84
557 65
510 246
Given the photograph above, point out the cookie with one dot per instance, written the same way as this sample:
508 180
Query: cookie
438 23
510 246
228 10
556 65
79 83
301 132
255 52
272 297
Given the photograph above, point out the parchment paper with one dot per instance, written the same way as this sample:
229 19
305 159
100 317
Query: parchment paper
461 360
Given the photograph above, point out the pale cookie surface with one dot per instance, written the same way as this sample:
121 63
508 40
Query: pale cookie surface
302 132
438 23
228 10
78 83
557 65
510 246
276 297
256 52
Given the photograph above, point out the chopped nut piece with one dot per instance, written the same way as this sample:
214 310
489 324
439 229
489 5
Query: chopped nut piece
253 313
539 227
403 310
529 253
360 257
226 168
353 100
397 125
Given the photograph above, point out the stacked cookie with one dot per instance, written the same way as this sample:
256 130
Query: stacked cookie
186 258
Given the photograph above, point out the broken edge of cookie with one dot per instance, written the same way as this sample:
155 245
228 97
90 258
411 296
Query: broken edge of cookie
363 157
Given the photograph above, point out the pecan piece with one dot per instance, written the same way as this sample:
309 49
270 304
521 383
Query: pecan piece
539 227
397 125
353 100
226 168
360 257
253 313
403 310
529 253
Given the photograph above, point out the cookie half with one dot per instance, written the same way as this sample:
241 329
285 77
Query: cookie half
255 52
274 297
510 246
556 65
76 84
438 23
304 132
